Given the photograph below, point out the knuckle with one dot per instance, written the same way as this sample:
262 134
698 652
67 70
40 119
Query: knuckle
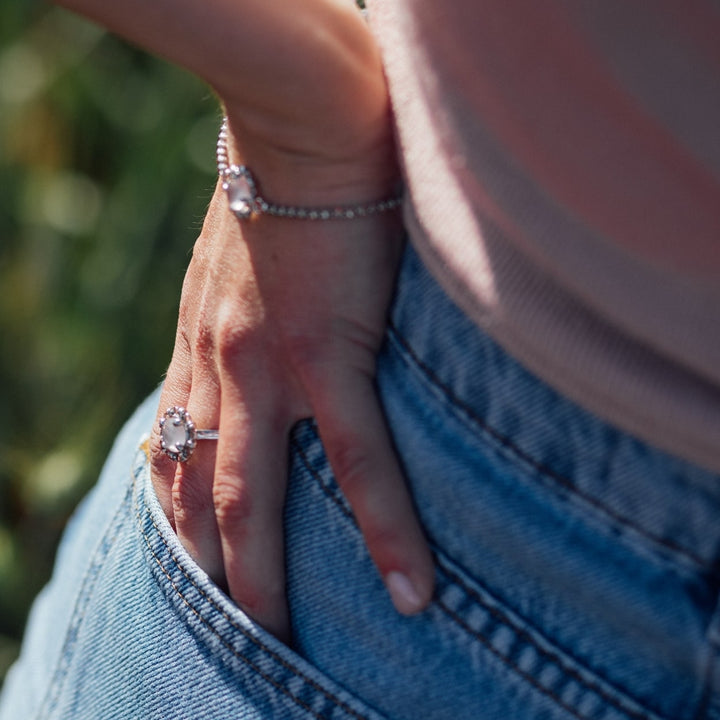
190 497
203 342
194 328
233 338
353 468
231 502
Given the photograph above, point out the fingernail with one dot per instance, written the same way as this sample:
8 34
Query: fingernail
404 596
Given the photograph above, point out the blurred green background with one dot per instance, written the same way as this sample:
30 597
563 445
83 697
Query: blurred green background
106 168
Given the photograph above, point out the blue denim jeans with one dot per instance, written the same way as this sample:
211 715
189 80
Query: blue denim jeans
577 570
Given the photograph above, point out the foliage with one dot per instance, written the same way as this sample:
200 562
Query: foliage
106 168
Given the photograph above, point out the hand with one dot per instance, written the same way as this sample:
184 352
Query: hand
281 320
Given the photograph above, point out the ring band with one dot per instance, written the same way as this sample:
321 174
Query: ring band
178 434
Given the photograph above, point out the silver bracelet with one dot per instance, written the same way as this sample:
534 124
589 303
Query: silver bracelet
245 201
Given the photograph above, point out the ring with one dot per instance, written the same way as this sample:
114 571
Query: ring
178 434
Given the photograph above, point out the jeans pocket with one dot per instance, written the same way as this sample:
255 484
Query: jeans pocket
228 666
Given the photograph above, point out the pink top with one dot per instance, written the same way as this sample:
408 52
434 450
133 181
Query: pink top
562 162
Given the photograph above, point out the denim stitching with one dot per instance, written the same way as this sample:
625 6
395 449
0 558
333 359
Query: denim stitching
529 678
539 467
332 492
278 658
81 605
526 636
224 642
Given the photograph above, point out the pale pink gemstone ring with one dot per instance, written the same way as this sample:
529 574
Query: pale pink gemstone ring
178 434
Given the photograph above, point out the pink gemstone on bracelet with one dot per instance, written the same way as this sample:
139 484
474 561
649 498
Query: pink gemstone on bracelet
240 188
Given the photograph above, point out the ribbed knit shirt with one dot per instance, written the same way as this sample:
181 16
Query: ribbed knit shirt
562 162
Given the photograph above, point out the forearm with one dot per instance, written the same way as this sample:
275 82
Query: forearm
243 48
302 84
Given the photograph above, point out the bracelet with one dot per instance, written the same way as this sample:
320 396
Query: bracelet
245 201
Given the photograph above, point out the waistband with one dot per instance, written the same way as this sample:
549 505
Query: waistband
669 502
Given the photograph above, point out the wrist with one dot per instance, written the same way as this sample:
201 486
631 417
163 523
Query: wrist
312 180
246 198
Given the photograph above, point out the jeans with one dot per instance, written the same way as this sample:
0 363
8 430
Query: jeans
577 569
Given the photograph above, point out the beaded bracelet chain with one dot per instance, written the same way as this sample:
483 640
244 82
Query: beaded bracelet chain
245 201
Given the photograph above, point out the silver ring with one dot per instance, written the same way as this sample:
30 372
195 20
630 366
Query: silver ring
178 434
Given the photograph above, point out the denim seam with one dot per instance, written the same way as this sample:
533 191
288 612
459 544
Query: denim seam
412 359
332 492
527 677
81 605
264 648
525 635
